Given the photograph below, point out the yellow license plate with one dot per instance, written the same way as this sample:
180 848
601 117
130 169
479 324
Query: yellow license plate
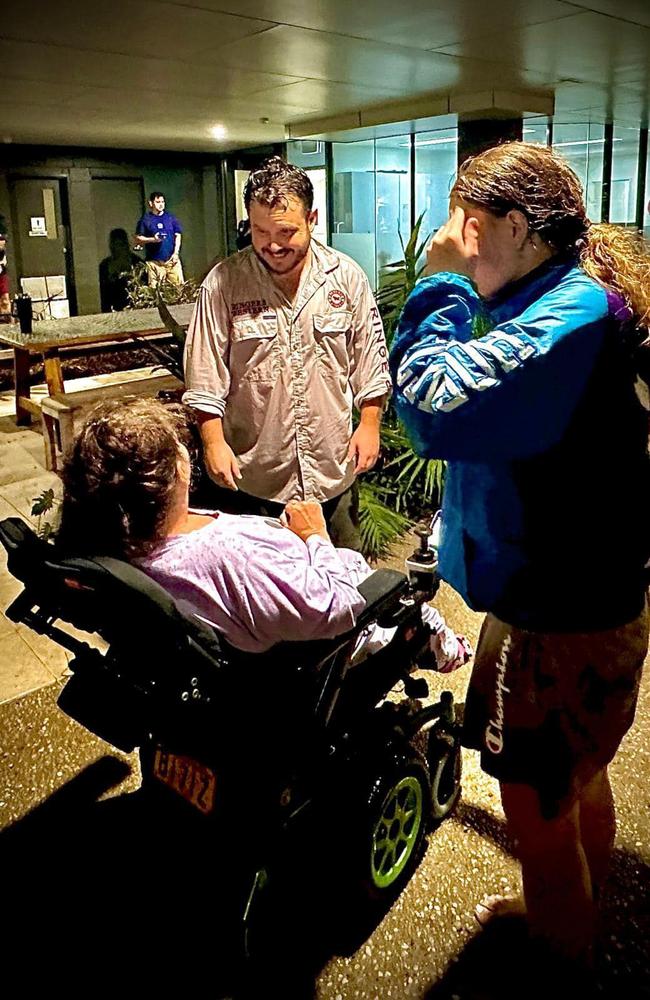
195 782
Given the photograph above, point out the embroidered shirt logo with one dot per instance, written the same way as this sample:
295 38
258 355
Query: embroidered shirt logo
253 307
336 298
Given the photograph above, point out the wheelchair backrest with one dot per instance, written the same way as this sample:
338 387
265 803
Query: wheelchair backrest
142 623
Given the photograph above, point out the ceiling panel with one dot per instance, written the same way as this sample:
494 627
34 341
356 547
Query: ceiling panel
161 72
368 64
321 95
37 62
13 91
145 28
601 103
637 11
27 124
584 47
419 24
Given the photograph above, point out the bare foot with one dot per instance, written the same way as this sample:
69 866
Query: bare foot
498 907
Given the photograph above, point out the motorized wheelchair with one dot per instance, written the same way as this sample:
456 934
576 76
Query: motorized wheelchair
267 748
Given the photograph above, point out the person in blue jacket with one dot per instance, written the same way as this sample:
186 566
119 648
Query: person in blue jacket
515 359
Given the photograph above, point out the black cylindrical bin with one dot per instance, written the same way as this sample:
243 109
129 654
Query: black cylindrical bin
23 305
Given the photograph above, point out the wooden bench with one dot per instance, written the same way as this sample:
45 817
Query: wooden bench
62 410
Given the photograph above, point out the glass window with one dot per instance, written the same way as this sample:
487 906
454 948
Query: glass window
310 155
353 202
625 175
435 169
583 147
393 194
306 153
536 130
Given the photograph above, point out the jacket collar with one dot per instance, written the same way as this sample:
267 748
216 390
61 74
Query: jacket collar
530 286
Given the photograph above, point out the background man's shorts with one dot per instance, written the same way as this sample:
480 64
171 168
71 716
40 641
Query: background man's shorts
158 270
549 710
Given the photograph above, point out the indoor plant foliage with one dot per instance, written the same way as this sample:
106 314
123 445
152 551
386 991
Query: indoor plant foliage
403 487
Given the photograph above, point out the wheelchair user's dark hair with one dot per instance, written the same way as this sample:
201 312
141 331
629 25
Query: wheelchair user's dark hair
274 181
156 194
119 478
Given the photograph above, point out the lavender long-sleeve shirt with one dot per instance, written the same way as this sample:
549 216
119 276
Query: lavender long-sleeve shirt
258 583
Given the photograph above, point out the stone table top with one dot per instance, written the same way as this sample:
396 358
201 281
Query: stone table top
52 333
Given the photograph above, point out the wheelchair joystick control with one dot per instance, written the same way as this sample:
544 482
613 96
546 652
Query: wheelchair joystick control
422 564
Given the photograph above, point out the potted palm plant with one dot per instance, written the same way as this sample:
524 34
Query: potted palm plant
403 486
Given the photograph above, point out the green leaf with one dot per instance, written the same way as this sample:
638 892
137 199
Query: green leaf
379 525
43 503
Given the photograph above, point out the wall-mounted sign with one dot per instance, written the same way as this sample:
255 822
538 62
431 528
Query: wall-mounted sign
37 226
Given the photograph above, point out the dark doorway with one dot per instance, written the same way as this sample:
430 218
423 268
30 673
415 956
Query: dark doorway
41 232
117 205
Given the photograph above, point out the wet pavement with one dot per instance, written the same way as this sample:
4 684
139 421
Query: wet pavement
96 882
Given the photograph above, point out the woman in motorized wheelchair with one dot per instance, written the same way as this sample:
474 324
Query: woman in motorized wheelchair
311 657
126 495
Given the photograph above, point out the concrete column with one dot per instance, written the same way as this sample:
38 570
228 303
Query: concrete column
478 134
84 241
215 237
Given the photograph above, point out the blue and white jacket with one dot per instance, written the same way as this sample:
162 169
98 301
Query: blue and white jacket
530 397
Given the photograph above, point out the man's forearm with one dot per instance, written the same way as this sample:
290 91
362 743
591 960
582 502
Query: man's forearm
371 411
211 428
177 244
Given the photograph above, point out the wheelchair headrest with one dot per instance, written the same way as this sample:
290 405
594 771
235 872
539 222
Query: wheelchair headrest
103 595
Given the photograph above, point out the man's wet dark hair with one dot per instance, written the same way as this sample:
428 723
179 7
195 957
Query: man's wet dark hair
156 194
275 181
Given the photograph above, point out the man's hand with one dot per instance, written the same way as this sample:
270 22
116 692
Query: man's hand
364 448
305 518
221 464
173 259
455 246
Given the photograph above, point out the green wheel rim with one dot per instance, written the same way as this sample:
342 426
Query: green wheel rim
396 832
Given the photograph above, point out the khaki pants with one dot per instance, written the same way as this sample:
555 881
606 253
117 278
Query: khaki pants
159 270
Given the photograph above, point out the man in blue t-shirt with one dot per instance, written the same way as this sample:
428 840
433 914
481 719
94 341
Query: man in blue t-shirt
159 232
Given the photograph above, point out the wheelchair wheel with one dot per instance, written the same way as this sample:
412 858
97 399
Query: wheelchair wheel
445 768
397 808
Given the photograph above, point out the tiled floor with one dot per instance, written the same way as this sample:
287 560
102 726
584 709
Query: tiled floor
27 660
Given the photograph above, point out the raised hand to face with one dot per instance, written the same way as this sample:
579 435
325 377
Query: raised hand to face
455 246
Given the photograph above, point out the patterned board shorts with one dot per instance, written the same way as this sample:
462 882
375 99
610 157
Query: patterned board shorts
549 710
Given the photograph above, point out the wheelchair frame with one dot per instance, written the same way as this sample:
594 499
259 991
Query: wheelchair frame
167 684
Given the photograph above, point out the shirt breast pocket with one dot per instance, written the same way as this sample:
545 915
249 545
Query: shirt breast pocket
330 338
254 348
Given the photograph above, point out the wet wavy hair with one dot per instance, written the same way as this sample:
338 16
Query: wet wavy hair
541 184
119 478
274 181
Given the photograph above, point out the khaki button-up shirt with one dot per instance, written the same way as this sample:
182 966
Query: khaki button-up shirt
285 376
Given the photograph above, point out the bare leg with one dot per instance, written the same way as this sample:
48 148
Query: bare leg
555 873
598 826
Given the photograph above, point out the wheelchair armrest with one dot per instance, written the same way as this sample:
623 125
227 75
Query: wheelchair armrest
380 591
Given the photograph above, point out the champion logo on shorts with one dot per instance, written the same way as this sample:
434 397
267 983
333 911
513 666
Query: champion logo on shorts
336 298
494 728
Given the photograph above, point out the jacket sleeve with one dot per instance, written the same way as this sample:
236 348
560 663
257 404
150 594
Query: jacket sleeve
464 391
369 375
207 351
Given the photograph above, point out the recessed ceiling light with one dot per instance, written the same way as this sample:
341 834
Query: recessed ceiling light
218 131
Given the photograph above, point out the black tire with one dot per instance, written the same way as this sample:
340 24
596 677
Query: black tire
392 829
445 767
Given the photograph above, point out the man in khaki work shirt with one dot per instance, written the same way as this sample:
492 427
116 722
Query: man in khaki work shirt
285 340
